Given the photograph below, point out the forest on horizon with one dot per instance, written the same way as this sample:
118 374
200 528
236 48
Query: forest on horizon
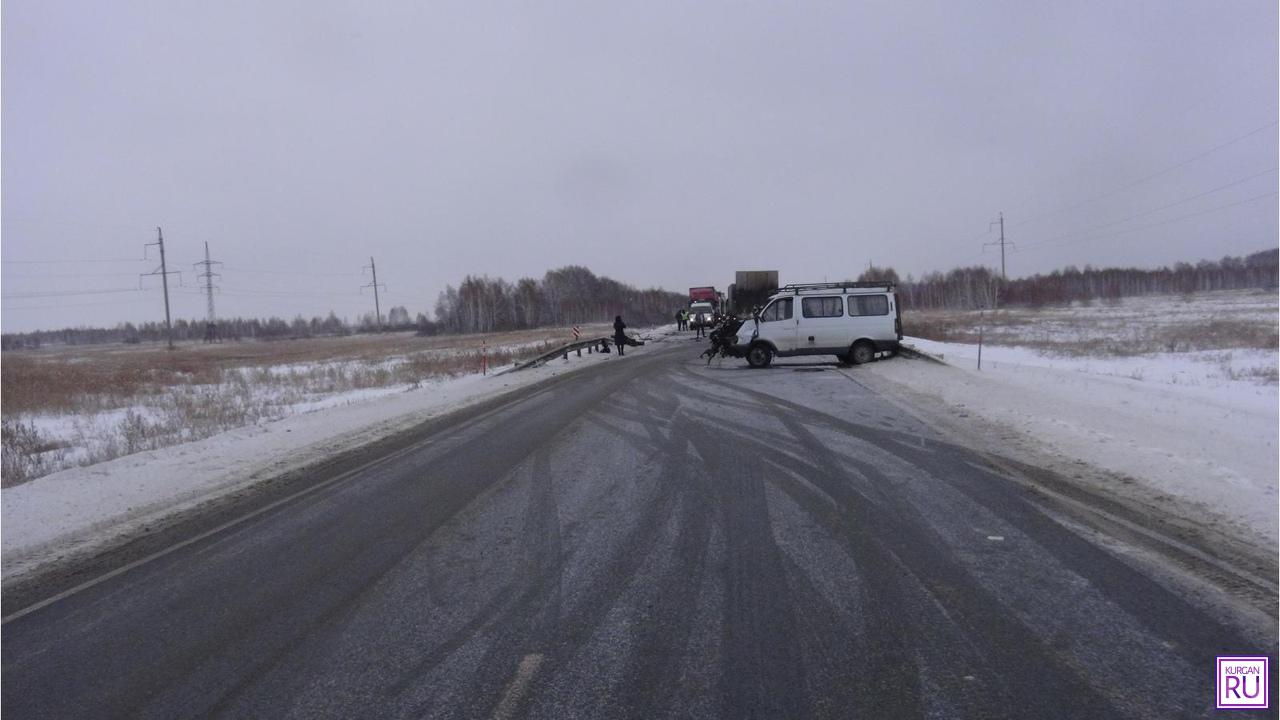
574 294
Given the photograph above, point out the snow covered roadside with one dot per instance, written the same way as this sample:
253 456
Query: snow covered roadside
73 406
78 509
1171 426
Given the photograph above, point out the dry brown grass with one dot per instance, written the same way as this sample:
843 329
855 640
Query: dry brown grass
25 453
47 383
91 378
197 390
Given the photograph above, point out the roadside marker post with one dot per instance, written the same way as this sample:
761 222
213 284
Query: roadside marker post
981 326
484 357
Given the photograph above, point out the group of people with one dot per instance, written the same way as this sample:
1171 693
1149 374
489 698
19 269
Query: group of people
682 322
621 340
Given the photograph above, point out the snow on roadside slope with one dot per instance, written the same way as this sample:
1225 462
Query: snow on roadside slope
1174 424
79 508
101 426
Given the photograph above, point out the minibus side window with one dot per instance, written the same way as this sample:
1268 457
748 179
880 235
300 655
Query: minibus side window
778 310
868 305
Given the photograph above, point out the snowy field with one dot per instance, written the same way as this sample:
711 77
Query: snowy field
1189 426
1192 426
76 406
1212 324
81 508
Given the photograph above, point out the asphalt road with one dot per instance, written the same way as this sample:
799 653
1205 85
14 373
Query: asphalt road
644 538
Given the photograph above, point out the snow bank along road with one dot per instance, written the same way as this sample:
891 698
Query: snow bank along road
654 538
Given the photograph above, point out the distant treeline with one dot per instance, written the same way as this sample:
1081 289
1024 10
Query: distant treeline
569 295
974 287
227 329
566 296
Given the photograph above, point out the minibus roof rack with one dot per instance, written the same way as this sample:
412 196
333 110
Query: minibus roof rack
797 288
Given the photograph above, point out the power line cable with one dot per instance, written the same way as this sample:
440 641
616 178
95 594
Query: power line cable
8 307
1152 211
288 272
67 293
286 293
1170 221
69 275
1152 176
72 262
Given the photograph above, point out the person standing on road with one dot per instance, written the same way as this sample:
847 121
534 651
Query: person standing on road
684 314
701 319
679 320
619 337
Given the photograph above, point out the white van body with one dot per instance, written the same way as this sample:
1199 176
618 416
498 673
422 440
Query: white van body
701 314
853 321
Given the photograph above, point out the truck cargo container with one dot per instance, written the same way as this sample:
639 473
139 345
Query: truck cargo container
750 290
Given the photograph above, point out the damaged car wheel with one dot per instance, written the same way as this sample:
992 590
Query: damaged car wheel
759 356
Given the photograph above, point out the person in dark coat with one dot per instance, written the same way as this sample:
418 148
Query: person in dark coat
679 320
619 337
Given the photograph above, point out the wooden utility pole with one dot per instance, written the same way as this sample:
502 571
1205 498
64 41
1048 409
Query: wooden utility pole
163 272
377 308
1001 242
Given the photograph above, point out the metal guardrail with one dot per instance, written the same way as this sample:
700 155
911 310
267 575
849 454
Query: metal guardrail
915 353
590 345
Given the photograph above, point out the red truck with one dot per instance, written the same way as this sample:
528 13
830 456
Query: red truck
704 306
707 294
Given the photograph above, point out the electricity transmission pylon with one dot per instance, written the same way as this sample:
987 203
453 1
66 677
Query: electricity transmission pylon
210 323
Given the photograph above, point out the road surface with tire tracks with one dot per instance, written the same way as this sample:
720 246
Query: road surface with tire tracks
648 537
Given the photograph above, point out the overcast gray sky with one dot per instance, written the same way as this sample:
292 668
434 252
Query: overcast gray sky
660 144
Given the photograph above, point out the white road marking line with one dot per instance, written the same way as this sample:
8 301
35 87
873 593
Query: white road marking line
690 449
995 538
1012 475
550 386
189 541
518 686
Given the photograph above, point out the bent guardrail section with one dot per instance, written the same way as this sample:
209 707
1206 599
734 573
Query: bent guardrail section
912 351
590 345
